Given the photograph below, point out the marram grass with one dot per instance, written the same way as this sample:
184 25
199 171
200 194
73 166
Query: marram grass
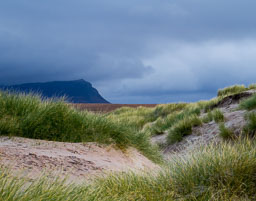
215 115
221 172
231 90
137 118
165 123
248 104
183 128
226 133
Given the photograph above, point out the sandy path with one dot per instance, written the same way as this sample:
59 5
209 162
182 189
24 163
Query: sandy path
78 161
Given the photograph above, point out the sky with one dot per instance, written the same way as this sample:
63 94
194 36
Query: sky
136 51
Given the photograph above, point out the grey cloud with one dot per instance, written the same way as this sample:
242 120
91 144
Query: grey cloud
141 50
183 70
31 66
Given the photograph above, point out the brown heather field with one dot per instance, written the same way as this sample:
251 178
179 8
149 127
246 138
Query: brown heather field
104 108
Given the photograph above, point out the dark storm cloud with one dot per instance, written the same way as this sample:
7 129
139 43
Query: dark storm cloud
137 51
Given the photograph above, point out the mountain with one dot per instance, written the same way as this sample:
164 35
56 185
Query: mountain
77 91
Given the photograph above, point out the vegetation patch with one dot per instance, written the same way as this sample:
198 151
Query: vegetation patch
252 86
250 128
137 118
166 109
248 104
231 90
183 128
225 132
207 106
163 124
215 115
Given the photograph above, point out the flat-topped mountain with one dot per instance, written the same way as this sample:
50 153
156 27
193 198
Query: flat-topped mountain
77 91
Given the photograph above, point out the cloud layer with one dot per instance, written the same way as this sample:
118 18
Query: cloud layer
134 51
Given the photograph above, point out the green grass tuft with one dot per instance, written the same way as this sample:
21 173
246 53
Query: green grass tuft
182 128
231 90
225 133
215 115
165 109
218 116
164 123
252 86
209 105
44 188
250 128
248 104
138 118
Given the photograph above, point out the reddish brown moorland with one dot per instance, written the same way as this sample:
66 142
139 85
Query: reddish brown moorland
103 108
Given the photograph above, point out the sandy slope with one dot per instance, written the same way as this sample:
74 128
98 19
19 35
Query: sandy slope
79 161
209 132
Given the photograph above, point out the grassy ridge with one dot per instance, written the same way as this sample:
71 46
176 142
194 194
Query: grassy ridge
29 116
178 119
231 90
225 172
234 89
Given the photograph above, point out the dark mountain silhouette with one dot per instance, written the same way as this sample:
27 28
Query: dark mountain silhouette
77 91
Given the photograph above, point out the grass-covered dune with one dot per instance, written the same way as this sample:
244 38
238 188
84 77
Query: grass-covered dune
27 115
178 119
225 172
221 172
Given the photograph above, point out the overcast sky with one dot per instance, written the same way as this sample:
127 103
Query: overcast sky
136 51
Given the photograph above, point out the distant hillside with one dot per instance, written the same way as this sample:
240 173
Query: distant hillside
77 91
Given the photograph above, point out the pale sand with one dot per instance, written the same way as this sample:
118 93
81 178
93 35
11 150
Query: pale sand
76 160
